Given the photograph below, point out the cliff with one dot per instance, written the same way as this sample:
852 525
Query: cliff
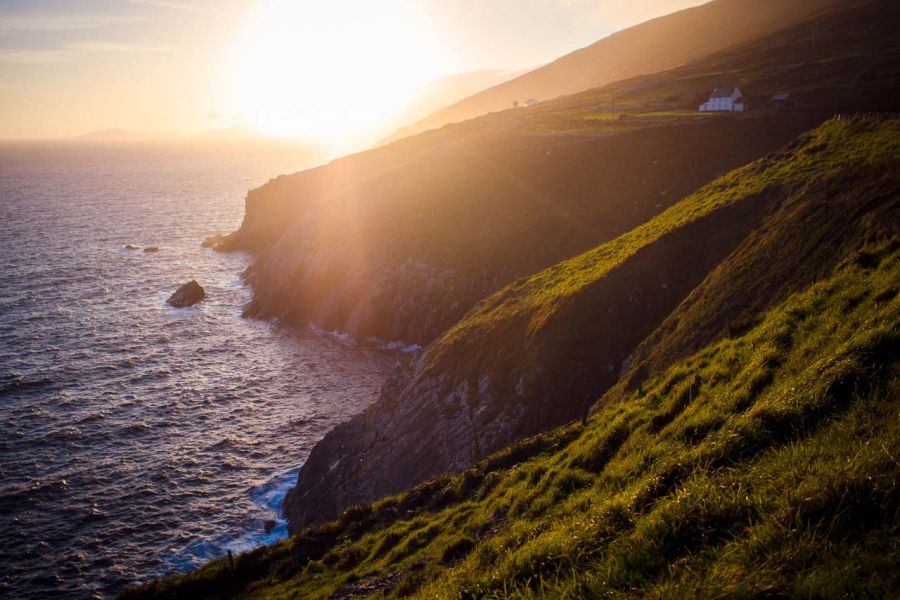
402 250
762 464
539 352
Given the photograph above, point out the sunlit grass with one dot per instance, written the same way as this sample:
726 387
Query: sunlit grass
788 486
849 144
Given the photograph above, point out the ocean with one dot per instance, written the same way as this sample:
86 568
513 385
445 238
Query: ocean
137 439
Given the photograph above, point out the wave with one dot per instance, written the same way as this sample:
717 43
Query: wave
267 498
13 382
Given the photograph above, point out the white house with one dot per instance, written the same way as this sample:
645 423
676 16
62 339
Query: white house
530 102
731 100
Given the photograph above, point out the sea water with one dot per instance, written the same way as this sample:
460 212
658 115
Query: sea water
137 439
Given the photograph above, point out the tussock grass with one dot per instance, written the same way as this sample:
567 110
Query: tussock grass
778 476
848 145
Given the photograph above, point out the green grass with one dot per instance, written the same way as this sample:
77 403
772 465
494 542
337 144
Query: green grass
838 144
765 465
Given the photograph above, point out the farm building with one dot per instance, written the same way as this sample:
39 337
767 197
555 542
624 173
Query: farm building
724 99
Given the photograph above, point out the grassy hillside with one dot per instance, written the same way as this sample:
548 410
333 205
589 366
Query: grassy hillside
763 463
813 185
650 47
539 352
837 61
401 241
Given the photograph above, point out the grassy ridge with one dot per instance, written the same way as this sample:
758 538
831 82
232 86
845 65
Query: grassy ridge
832 62
764 464
837 144
538 323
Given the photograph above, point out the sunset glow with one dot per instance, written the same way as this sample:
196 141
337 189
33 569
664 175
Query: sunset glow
339 73
436 299
331 70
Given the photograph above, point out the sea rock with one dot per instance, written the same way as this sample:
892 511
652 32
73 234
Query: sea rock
132 247
218 242
188 294
151 249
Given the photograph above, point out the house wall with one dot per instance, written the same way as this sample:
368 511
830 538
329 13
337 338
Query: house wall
723 104
718 104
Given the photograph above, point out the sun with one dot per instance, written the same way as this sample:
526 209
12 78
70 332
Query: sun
332 70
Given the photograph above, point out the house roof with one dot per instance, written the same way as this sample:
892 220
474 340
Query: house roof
722 93
780 97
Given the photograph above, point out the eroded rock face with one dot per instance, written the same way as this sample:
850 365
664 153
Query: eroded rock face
362 292
399 243
485 385
188 294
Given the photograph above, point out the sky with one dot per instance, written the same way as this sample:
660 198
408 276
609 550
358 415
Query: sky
317 69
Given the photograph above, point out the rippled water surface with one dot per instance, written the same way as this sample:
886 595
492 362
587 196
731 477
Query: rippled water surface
137 439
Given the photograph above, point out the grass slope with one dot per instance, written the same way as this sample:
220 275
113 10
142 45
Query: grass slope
765 464
837 61
650 47
587 314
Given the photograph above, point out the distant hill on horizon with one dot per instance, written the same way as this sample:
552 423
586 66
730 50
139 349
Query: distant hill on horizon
451 89
653 46
237 134
124 135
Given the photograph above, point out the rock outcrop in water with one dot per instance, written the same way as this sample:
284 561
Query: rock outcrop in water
187 294
216 242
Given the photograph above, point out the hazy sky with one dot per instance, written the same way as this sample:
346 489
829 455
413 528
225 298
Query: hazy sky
303 67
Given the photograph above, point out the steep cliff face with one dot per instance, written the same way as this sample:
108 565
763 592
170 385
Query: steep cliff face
401 244
538 353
